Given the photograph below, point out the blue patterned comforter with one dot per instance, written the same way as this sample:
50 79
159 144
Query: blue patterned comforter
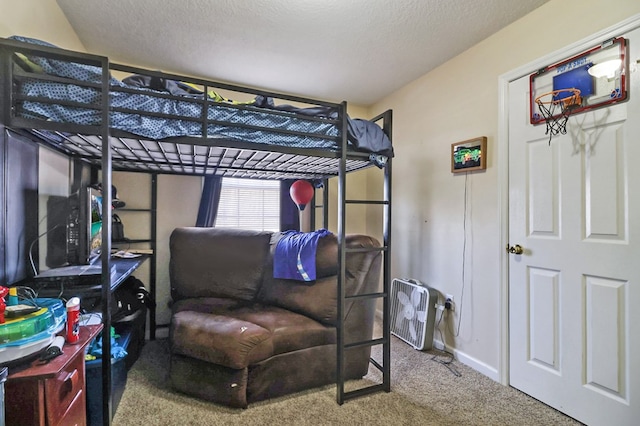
129 112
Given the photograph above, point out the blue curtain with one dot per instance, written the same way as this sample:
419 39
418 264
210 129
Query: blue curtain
209 201
289 216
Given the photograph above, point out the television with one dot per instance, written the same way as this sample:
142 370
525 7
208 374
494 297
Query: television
75 224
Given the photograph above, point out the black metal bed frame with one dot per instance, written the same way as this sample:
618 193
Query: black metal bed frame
114 150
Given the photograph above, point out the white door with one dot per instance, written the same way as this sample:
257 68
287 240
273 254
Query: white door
574 293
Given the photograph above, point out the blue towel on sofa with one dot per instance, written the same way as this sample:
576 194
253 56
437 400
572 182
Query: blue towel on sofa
295 255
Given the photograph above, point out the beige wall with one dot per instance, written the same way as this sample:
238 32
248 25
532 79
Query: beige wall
455 102
178 201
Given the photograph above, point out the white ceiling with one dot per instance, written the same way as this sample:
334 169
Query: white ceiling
354 50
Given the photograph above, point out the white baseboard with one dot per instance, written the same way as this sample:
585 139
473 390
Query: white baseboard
477 365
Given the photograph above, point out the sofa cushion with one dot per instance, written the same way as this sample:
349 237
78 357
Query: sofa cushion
318 299
290 331
217 262
219 339
237 334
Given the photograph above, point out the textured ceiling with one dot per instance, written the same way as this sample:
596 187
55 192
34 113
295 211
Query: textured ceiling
354 50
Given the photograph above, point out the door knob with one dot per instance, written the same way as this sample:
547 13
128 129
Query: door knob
517 249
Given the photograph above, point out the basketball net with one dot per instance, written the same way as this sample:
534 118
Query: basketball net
556 107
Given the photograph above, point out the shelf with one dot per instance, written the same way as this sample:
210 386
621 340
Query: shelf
132 241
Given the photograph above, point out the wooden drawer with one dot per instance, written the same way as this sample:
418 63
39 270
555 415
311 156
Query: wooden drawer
76 415
65 390
50 394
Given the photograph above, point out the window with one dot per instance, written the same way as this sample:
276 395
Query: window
249 204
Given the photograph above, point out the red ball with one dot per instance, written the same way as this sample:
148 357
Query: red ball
301 192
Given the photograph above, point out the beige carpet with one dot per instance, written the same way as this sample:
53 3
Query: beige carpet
423 392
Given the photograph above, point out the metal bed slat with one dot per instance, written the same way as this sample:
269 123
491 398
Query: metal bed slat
272 161
95 146
264 159
226 158
235 159
123 142
239 144
225 151
179 156
69 140
193 155
209 156
252 159
160 149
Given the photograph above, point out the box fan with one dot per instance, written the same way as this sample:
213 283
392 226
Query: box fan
413 312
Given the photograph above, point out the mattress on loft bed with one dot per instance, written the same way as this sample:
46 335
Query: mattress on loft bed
274 121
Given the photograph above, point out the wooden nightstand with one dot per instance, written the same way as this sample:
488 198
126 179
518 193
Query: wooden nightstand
53 393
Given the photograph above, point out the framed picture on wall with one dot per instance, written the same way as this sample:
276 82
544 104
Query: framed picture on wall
469 155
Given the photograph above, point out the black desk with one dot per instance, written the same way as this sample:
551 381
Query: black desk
90 275
89 289
124 268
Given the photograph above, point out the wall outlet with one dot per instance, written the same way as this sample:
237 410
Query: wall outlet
449 302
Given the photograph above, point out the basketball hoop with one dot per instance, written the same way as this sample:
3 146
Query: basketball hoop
556 107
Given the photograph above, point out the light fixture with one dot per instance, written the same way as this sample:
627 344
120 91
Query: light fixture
606 69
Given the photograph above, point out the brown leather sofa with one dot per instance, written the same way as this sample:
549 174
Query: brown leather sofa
238 335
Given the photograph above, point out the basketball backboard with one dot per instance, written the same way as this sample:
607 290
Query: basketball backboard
599 73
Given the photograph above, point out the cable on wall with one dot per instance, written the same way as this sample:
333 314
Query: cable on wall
466 217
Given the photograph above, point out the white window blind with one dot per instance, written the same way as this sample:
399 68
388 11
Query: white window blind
249 204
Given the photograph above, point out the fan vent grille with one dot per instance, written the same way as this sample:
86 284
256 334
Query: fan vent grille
409 306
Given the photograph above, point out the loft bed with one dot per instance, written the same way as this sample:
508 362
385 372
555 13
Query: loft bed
173 124
157 122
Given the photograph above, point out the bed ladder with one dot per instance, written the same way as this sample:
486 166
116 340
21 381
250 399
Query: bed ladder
384 366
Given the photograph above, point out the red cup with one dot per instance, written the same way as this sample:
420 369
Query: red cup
73 320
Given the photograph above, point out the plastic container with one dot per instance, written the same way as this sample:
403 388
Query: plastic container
132 331
50 317
93 374
22 337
